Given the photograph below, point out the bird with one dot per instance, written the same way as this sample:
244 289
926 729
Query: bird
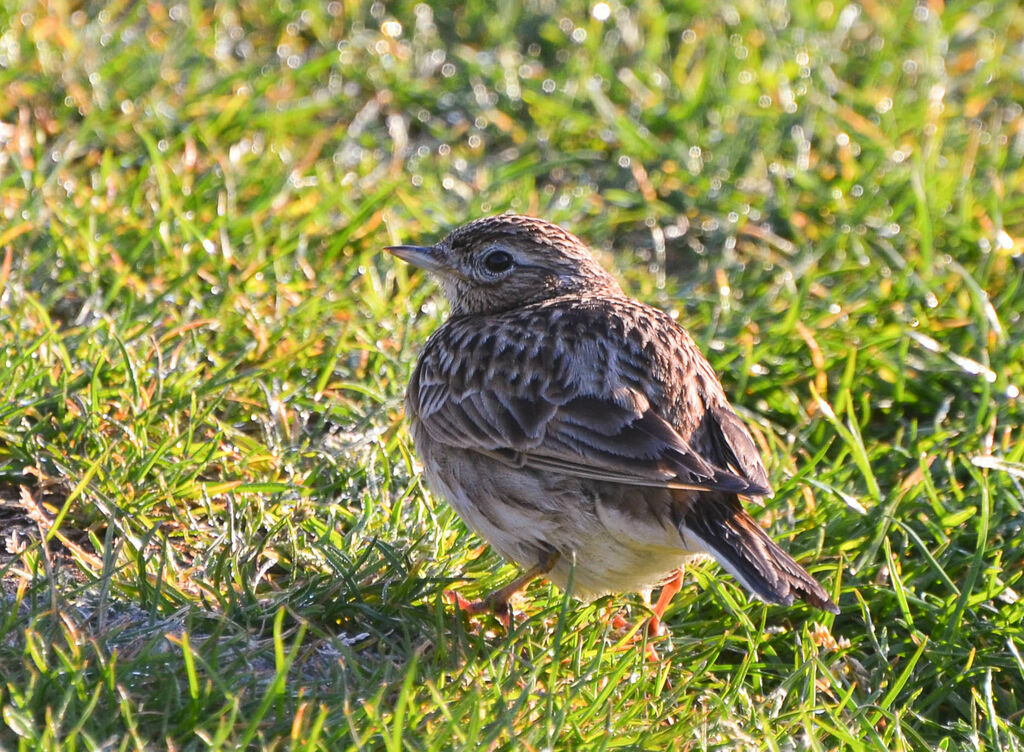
580 432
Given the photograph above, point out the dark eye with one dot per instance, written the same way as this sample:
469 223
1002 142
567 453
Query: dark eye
498 261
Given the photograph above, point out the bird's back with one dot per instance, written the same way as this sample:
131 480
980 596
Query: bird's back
613 349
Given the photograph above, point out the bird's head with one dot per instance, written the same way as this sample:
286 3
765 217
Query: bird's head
504 262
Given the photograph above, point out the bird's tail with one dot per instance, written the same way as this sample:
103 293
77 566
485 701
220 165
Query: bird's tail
733 537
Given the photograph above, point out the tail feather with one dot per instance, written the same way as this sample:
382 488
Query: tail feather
748 554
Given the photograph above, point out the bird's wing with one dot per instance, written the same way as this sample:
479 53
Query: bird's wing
733 446
542 415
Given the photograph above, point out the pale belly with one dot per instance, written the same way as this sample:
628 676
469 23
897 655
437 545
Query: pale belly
605 543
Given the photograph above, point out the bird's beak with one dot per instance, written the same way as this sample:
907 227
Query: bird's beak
425 257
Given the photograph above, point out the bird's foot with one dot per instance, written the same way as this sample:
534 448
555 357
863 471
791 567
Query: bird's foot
497 603
635 634
487 605
641 635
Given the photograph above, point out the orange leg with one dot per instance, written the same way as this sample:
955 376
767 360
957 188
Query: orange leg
668 591
654 625
497 602
638 638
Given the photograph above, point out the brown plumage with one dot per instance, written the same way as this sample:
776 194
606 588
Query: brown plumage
569 425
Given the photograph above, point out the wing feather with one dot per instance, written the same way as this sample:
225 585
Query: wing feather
572 421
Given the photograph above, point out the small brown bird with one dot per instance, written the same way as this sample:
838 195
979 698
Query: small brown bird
571 426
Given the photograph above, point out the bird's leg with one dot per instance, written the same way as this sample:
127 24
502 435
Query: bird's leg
668 591
654 626
497 601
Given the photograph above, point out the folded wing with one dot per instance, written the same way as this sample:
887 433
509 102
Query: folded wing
615 436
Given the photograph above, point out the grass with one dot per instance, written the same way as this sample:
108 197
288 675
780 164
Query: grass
213 531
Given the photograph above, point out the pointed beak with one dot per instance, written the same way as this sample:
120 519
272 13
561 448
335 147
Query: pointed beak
425 257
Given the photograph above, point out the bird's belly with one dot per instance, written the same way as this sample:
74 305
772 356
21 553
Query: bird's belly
603 546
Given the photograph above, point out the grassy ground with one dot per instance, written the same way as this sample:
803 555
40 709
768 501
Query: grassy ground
213 532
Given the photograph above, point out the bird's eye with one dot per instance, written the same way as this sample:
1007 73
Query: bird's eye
498 261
